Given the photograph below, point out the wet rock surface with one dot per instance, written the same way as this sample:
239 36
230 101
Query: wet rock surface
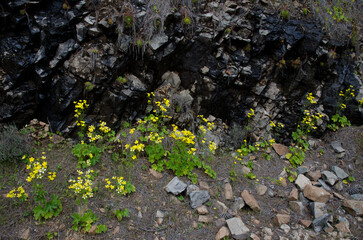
239 68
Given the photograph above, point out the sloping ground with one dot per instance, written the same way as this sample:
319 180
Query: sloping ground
177 219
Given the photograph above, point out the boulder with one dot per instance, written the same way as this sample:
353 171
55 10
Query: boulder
316 194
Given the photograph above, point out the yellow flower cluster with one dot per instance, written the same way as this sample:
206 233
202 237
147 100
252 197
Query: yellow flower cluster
155 137
251 113
83 185
37 167
212 147
311 98
210 125
109 185
202 128
79 109
103 128
137 147
192 151
120 183
360 102
348 93
279 125
163 105
184 135
52 175
132 130
18 193
309 120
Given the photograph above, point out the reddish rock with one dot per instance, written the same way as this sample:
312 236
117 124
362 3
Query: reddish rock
294 195
203 185
314 176
250 201
205 219
305 223
156 174
202 210
222 233
316 194
354 207
281 219
228 192
280 149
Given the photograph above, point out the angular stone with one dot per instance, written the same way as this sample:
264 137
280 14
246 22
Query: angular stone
298 207
158 40
318 209
339 186
302 181
314 176
357 197
316 194
220 222
250 201
175 186
238 229
238 204
280 219
328 228
191 188
261 189
329 177
319 223
341 174
337 147
302 170
343 226
222 233
205 219
354 207
198 198
228 192
294 195
202 210
305 223
324 185
220 207
156 174
280 149
203 185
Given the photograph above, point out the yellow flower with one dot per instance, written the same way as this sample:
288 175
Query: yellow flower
251 113
132 130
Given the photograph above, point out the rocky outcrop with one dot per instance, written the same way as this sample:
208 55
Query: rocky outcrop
236 58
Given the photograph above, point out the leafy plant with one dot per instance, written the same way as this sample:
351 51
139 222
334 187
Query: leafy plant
83 222
339 119
48 209
101 228
87 154
296 157
120 214
250 175
285 14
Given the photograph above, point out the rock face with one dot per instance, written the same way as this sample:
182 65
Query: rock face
46 62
